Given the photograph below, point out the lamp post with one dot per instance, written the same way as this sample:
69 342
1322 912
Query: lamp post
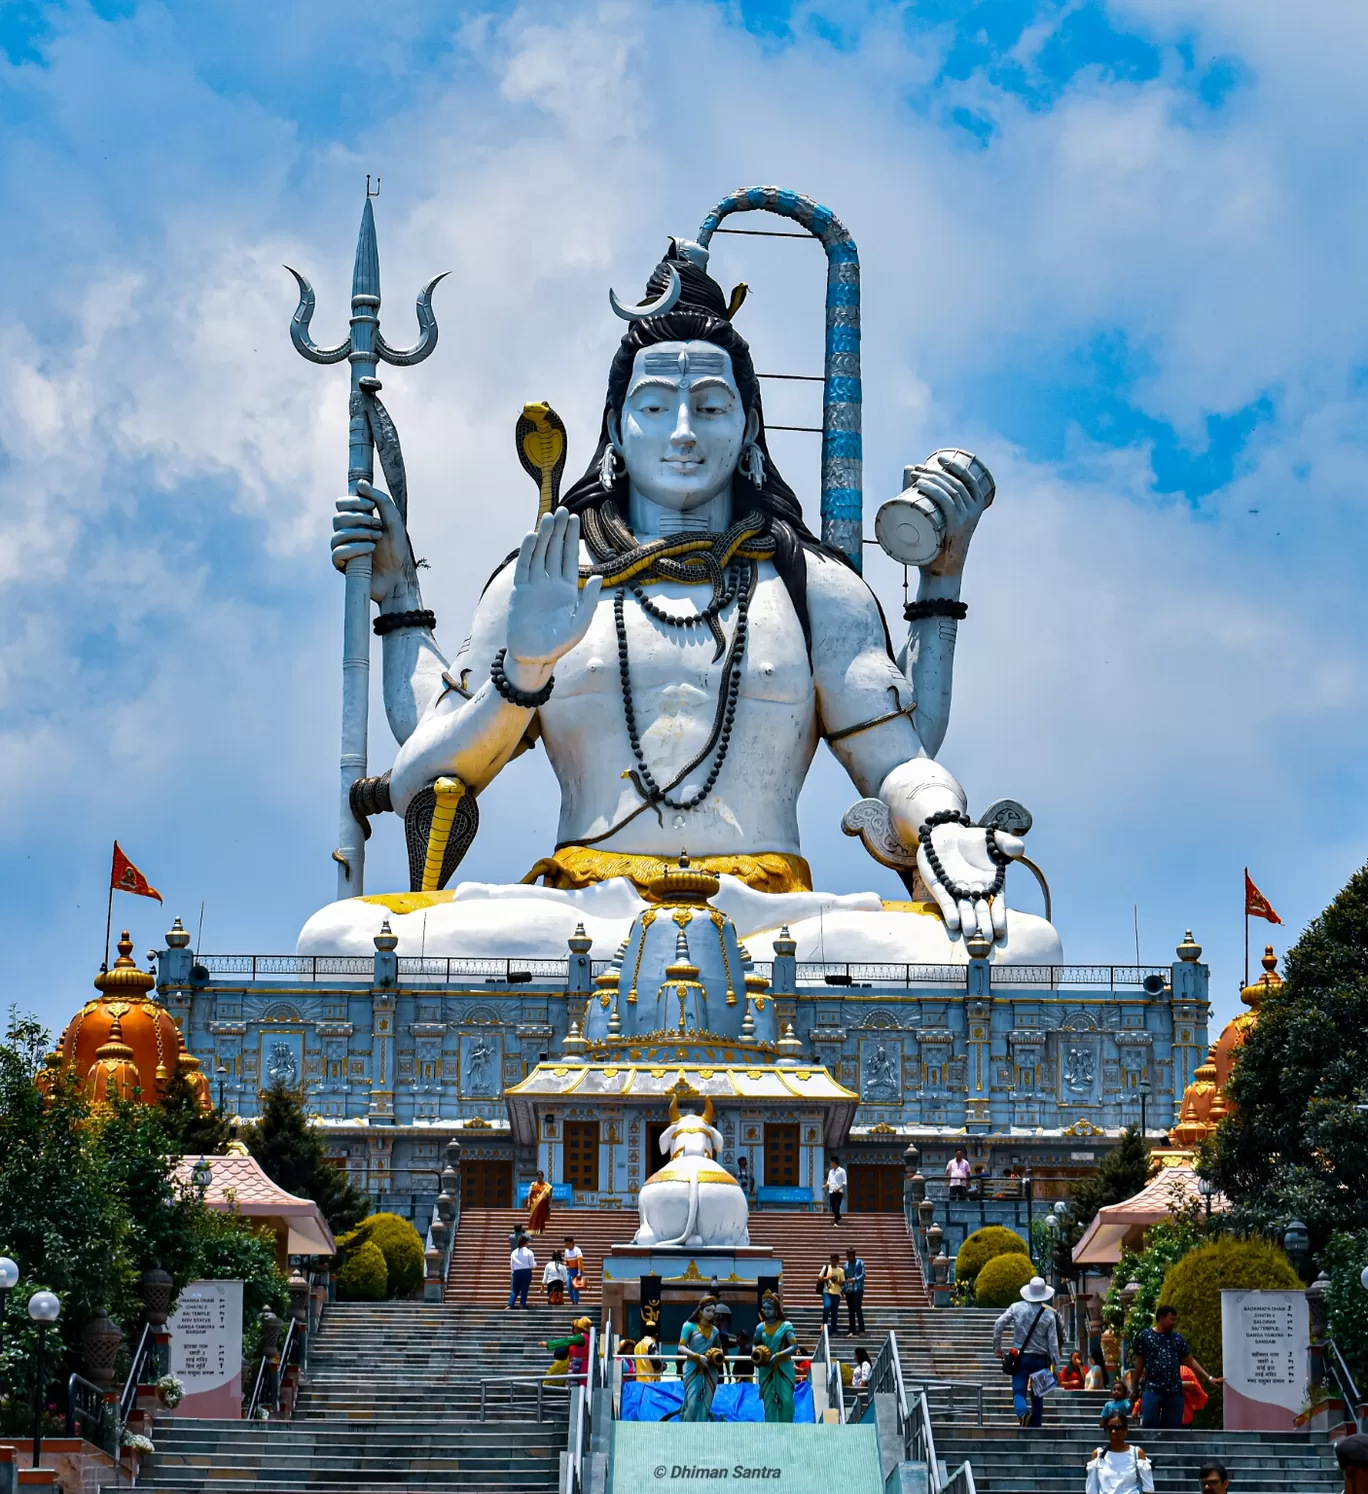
201 1176
1052 1225
9 1275
44 1308
1144 1106
1205 1187
221 1073
1297 1244
1028 1189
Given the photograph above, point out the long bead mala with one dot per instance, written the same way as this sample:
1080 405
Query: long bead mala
719 739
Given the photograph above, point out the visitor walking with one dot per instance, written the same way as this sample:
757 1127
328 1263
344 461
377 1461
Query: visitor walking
1119 1468
957 1175
830 1280
1215 1479
555 1279
574 1266
835 1186
538 1205
1035 1339
853 1291
521 1264
1158 1355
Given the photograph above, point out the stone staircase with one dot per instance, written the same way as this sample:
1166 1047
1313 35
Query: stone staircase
479 1260
393 1401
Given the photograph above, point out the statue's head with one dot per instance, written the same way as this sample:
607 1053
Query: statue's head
683 417
707 1311
769 1307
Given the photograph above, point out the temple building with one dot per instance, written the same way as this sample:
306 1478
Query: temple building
569 1065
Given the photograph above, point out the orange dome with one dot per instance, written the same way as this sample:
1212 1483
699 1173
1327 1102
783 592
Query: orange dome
1238 1028
128 1037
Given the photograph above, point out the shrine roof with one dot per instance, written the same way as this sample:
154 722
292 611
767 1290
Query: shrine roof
239 1185
1117 1225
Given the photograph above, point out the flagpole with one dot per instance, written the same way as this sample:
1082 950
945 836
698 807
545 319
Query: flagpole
109 918
1246 908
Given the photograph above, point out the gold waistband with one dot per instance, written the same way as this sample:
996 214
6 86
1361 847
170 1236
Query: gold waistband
572 867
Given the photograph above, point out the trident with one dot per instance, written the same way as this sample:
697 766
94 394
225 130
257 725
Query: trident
371 428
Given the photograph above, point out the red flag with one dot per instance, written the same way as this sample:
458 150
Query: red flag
125 877
1256 904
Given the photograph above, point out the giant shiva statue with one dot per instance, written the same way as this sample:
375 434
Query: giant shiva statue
680 643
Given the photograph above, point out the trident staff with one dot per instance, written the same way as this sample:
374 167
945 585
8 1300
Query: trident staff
370 428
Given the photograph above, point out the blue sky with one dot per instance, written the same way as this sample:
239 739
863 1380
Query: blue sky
1114 248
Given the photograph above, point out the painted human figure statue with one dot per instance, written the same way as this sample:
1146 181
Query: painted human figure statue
774 1347
700 1346
675 713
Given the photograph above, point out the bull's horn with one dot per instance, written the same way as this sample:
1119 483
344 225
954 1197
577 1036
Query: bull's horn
674 1110
708 1111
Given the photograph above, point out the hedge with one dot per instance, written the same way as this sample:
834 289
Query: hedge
363 1277
980 1247
1000 1282
402 1248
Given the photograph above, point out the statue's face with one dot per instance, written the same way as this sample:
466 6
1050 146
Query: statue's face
682 425
769 1310
708 1314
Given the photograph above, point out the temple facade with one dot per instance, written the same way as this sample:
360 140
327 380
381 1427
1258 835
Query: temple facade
1023 1066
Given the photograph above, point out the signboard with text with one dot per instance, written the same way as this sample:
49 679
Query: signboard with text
1265 1357
206 1349
670 1458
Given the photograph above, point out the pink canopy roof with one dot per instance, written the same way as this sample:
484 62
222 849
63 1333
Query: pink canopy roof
1118 1225
239 1183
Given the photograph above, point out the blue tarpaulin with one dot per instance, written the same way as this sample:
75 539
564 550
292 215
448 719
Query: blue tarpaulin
740 1401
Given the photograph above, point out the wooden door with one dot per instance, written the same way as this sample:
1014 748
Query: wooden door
655 1159
486 1185
781 1155
582 1155
874 1189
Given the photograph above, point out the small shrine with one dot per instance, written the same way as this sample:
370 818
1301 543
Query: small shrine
125 1045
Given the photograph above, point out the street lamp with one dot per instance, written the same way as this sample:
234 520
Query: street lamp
1052 1225
222 1072
1028 1189
201 1176
1206 1187
1144 1102
44 1308
1297 1244
9 1274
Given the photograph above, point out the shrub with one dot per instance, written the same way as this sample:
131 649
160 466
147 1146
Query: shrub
1193 1286
1344 1257
982 1246
402 1248
364 1276
1000 1282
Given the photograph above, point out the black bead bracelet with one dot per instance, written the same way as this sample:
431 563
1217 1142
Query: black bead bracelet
391 622
529 700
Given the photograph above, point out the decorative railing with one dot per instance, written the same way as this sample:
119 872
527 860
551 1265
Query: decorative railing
520 970
1342 1379
144 1357
87 1414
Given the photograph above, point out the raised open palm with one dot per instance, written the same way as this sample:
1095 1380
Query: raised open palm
548 613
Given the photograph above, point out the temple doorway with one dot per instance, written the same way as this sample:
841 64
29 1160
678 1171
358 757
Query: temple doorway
486 1184
781 1155
655 1159
582 1155
875 1189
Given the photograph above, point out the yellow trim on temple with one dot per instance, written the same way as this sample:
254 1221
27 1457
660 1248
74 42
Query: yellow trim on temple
572 867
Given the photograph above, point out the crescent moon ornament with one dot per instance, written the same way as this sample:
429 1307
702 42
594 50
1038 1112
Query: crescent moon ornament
664 303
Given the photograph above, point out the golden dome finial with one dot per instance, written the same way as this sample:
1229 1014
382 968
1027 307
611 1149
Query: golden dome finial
124 978
682 883
1267 983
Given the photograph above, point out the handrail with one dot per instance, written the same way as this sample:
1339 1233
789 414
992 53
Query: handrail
282 1360
86 1400
1344 1380
961 1481
952 1386
147 1348
580 1423
919 1442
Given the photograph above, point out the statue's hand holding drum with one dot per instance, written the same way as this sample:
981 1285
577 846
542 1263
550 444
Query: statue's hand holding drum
932 530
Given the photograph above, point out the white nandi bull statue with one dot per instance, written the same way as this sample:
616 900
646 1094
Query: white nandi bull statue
692 1200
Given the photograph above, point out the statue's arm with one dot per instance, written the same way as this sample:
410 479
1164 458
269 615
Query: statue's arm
931 659
857 684
468 735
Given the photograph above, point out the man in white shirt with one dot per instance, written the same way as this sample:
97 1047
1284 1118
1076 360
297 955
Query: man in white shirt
835 1187
574 1265
521 1264
957 1174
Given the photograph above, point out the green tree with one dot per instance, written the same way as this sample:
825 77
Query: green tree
1123 1172
290 1151
194 1132
1296 1144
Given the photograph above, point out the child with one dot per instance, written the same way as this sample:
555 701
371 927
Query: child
1120 1401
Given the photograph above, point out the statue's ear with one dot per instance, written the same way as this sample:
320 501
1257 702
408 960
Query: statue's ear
752 423
666 1137
615 431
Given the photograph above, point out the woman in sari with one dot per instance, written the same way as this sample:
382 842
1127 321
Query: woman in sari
774 1347
700 1345
538 1205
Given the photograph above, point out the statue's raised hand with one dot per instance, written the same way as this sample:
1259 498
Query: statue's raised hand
370 524
961 494
960 866
548 613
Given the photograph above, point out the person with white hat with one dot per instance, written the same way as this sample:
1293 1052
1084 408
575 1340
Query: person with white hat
1035 1339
